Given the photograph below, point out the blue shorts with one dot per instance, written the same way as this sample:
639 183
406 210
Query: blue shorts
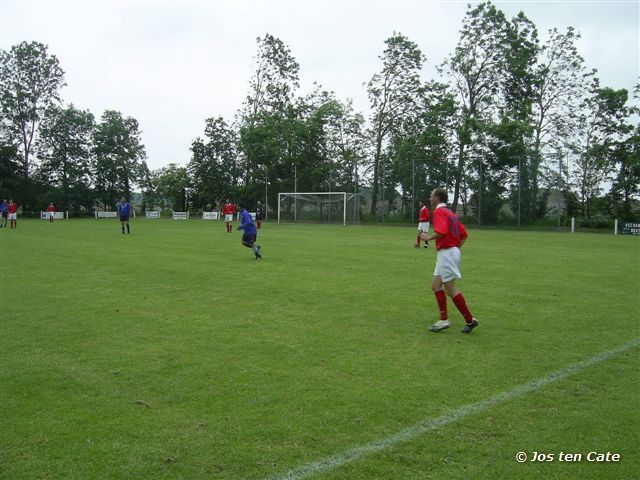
124 219
249 237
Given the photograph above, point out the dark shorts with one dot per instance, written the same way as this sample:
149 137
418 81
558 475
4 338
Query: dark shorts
249 237
124 218
5 214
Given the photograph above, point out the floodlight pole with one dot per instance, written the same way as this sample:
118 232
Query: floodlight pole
519 186
413 194
295 190
266 193
480 197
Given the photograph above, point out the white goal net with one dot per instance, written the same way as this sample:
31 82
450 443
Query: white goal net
318 207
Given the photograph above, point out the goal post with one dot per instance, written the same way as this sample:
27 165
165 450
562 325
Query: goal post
318 207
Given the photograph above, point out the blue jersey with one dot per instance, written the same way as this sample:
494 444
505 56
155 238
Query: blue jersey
4 207
124 209
246 223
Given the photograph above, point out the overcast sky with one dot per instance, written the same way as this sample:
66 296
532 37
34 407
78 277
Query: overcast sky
171 64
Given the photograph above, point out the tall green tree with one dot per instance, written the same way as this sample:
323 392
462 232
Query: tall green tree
602 128
64 147
420 149
213 167
561 85
267 121
626 156
172 185
274 80
119 156
476 71
393 95
30 81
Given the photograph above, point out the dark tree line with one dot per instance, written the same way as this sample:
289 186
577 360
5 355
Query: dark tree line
514 127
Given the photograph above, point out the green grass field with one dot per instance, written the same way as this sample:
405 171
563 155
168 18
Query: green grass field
171 353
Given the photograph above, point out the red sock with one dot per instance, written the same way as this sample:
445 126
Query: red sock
442 304
462 307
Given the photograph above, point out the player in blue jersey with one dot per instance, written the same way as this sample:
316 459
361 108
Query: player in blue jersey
124 212
4 210
250 233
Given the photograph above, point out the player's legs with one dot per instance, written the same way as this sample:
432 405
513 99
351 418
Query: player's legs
441 298
249 241
418 238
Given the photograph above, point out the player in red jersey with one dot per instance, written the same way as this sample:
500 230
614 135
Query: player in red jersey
228 210
423 223
51 212
449 235
13 214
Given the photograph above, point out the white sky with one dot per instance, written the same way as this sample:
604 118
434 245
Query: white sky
173 64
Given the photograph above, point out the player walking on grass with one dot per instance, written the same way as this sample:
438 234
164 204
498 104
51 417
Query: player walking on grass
228 210
250 233
449 235
423 223
124 211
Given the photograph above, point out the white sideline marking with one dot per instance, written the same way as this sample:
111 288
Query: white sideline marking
421 428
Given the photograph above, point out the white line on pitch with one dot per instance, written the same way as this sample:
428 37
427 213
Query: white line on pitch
421 428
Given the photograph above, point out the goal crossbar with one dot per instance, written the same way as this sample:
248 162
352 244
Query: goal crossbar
341 198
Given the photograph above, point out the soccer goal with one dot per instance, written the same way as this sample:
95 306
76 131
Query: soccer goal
318 207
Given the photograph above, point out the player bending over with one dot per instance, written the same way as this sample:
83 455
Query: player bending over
250 233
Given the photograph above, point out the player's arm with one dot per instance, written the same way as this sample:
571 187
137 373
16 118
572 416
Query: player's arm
433 236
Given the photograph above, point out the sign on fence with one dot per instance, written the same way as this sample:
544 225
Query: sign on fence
152 213
210 215
630 228
56 215
180 215
106 214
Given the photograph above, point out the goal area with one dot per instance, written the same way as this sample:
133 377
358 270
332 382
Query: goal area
318 207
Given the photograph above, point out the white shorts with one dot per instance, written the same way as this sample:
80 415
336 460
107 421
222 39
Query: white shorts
423 227
52 214
13 216
228 217
448 264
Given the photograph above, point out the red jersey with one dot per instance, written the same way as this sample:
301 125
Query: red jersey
228 209
51 208
424 215
446 223
13 208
